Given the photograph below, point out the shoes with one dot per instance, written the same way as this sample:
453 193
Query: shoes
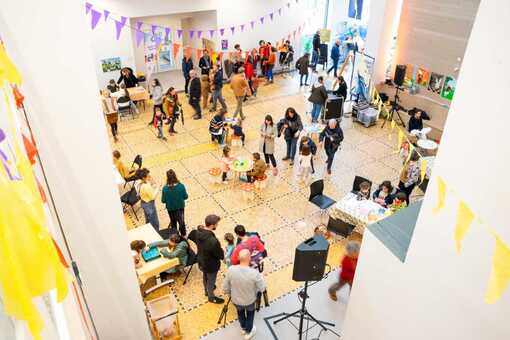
251 334
115 139
291 163
196 117
243 332
329 171
163 138
275 171
333 296
285 158
217 300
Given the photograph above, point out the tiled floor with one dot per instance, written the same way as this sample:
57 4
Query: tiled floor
280 212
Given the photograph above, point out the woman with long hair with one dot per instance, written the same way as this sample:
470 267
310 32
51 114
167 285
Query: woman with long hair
170 107
290 129
174 196
267 136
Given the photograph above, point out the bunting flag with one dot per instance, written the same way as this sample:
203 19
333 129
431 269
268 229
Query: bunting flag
423 168
400 138
139 34
294 34
179 33
167 33
153 29
280 11
175 49
262 20
199 34
288 4
271 16
188 51
441 195
211 33
500 272
119 25
88 7
220 55
222 31
106 14
191 33
232 29
242 28
464 219
252 23
199 53
94 18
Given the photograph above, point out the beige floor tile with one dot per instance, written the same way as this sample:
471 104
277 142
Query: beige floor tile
261 218
201 163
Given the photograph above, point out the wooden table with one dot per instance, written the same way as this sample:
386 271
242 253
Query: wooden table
152 268
138 93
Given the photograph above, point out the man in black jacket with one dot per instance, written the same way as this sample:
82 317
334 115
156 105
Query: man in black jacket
205 63
316 46
331 136
195 91
218 88
209 255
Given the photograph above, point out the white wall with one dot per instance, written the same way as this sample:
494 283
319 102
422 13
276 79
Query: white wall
437 294
52 52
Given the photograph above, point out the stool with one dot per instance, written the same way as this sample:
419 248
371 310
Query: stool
215 175
261 182
236 142
247 189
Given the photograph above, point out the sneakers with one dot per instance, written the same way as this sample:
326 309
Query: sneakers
275 171
196 117
333 296
285 158
251 334
218 301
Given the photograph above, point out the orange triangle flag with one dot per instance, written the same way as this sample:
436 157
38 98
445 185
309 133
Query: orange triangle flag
199 53
187 51
176 48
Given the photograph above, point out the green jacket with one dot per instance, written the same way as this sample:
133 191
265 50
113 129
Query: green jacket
174 196
180 251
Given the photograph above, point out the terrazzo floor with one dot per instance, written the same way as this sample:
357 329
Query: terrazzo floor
281 212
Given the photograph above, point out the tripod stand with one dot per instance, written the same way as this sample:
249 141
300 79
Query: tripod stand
395 107
223 314
303 314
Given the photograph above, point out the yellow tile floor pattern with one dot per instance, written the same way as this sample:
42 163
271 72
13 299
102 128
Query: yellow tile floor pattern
281 212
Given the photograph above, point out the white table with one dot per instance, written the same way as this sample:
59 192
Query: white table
358 213
430 164
427 144
152 268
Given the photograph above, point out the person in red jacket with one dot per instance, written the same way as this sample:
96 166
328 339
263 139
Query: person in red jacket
252 243
348 269
249 70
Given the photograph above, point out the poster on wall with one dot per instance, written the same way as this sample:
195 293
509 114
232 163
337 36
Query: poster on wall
325 35
436 82
355 9
158 57
422 76
448 88
111 64
410 73
224 44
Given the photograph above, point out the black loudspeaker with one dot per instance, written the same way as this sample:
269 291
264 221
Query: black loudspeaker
400 74
310 259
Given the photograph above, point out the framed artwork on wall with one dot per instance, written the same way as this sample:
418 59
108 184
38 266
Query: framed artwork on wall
111 64
449 88
436 82
422 76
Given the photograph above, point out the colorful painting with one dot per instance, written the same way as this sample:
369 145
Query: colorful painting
410 73
436 82
158 57
224 44
422 76
448 88
111 64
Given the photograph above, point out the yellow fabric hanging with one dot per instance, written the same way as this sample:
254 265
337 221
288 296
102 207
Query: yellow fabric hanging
441 194
500 273
400 139
423 168
8 71
464 219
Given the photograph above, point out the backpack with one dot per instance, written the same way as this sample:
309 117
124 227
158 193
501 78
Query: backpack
256 256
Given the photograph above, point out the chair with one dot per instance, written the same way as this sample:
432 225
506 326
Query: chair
124 104
192 260
317 198
131 198
138 162
163 314
340 227
357 181
261 182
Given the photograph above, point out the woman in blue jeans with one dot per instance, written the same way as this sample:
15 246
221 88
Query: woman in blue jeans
148 194
290 126
318 98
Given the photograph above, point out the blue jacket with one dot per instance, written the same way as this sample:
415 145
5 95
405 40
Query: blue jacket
218 79
335 52
186 66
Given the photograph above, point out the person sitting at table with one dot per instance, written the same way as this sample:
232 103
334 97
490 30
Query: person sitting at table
385 194
127 173
226 161
137 246
123 99
112 86
259 168
415 125
177 248
364 191
127 77
217 127
237 129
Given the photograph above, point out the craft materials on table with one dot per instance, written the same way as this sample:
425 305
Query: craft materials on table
359 213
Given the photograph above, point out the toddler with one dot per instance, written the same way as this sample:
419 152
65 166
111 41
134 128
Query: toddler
237 129
159 118
226 160
305 163
229 249
364 191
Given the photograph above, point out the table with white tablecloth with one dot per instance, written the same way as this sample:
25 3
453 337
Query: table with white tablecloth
359 213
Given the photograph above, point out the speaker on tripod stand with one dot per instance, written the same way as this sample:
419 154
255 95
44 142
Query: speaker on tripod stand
400 74
398 80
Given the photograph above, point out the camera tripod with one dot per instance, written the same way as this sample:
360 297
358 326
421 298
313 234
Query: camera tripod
395 107
303 315
223 314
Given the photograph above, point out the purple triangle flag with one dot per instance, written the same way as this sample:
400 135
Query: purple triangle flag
199 34
262 20
88 6
119 25
153 29
288 4
232 29
271 16
106 13
279 11
157 40
138 33
179 33
252 23
191 34
167 33
95 16
222 30
242 28
211 33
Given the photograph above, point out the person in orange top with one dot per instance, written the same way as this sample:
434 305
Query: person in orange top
348 268
271 61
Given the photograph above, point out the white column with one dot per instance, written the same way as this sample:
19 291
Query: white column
382 27
50 44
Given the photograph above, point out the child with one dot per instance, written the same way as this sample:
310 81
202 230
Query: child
226 160
385 194
364 191
237 129
259 168
159 117
348 268
229 249
305 163
305 140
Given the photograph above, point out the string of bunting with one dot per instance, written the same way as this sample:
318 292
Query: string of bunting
499 278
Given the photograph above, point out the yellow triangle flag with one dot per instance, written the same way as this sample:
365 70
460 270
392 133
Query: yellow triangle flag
441 194
500 273
7 69
400 138
411 149
392 124
464 219
423 168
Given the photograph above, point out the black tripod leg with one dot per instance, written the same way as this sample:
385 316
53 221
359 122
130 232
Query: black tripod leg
287 316
320 323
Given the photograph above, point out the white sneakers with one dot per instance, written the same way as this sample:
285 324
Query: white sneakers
251 334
